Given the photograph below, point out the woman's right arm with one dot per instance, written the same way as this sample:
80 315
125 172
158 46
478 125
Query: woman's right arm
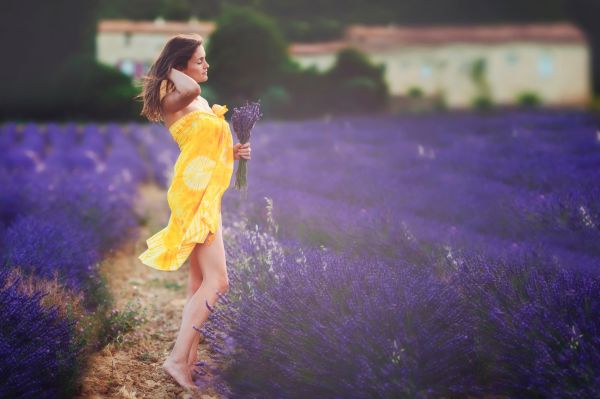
186 90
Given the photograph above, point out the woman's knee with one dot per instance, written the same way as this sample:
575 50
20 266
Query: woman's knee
219 281
223 284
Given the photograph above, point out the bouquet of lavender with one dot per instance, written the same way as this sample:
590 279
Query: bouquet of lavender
243 120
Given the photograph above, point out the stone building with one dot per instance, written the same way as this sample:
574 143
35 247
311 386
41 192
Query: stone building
550 60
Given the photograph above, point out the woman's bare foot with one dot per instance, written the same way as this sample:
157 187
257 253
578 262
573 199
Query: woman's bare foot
180 372
192 363
193 355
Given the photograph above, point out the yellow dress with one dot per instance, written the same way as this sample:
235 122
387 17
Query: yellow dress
202 174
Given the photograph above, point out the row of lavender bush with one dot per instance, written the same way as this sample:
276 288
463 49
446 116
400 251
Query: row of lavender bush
469 267
469 260
65 205
468 264
303 322
501 183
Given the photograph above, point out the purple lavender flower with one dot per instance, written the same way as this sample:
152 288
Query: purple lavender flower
39 353
244 118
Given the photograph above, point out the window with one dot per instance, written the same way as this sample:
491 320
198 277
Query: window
511 57
127 67
426 71
545 65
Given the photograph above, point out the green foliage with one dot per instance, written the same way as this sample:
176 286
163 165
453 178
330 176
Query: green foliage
478 75
88 89
358 93
209 93
274 99
529 99
440 103
594 104
175 10
415 92
82 89
37 39
172 285
308 88
97 295
356 84
120 322
352 63
482 103
246 53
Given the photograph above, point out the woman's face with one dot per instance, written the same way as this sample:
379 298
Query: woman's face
197 66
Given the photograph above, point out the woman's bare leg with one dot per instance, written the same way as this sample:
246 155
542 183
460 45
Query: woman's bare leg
194 282
211 259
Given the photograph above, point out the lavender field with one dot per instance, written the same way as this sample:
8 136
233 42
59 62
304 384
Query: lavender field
430 256
447 255
65 206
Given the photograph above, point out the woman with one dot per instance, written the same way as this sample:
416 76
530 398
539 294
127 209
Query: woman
202 174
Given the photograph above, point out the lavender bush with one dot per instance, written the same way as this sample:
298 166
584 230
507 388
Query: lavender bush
537 327
301 324
39 352
53 245
416 200
497 183
66 203
437 192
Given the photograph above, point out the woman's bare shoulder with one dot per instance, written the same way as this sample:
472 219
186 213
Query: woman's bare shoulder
171 117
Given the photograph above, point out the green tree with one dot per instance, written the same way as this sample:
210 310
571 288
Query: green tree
246 54
478 75
355 83
49 66
176 10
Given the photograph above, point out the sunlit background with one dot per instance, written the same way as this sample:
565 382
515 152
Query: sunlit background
422 217
84 60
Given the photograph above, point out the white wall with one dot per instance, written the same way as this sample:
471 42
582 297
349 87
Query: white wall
559 73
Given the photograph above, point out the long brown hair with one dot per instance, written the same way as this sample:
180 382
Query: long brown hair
175 54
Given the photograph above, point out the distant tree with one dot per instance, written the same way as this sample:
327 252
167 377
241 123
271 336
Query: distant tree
478 75
355 83
529 99
50 68
414 92
246 54
176 10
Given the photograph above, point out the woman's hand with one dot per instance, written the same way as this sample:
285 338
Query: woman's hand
241 151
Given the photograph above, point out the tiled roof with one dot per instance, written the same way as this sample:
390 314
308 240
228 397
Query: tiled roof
369 38
157 26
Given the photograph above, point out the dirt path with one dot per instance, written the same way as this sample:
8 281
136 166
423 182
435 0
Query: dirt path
131 368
